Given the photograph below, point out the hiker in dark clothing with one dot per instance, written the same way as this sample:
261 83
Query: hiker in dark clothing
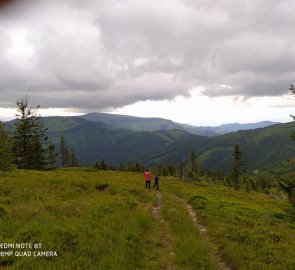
156 184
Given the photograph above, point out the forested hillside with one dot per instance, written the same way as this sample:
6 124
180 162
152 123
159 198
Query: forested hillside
94 140
261 148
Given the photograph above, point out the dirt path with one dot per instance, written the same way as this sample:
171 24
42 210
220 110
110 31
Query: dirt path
215 256
166 241
157 206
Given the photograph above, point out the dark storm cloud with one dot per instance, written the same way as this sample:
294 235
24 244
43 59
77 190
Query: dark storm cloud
100 54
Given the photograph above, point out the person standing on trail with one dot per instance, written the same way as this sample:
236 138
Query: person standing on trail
156 184
147 178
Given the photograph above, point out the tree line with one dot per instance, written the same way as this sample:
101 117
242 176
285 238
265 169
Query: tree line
191 168
187 168
27 145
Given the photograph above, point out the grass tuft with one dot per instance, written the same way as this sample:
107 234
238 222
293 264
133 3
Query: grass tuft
102 187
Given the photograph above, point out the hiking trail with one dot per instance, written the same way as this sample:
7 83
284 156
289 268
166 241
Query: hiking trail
167 243
213 250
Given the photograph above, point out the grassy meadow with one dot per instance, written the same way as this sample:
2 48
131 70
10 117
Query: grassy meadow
108 220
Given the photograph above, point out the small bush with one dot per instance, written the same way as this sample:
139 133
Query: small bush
102 187
2 212
199 202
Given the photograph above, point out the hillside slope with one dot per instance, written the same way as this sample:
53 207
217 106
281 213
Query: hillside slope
261 148
94 141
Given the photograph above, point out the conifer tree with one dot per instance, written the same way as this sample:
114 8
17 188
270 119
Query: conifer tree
29 140
73 161
193 170
171 170
138 167
67 155
112 167
165 171
52 156
292 92
121 167
237 163
159 169
130 166
101 165
6 155
182 168
287 183
64 151
96 165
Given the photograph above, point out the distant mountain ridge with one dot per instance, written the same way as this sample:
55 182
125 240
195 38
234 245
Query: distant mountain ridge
144 124
153 123
233 127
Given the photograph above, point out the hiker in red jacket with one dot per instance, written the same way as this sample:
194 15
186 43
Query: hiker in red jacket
147 178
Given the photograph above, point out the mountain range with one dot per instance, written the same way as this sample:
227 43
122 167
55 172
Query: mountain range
152 124
153 141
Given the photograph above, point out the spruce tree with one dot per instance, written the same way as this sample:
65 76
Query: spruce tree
182 168
193 170
96 165
29 140
287 183
121 167
130 166
292 92
164 171
103 165
159 169
6 155
67 155
171 170
138 167
64 152
236 168
52 156
73 161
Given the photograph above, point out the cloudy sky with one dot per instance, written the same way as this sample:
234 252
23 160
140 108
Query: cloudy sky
201 62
